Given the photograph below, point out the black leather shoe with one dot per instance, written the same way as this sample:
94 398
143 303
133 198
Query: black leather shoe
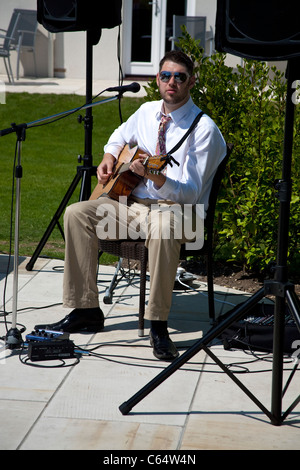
78 321
163 348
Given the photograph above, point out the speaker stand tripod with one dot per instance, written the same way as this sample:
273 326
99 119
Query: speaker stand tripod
84 171
279 287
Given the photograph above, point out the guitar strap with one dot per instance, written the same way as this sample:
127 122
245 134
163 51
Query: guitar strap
193 125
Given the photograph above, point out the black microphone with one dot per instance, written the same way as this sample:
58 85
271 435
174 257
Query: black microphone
134 87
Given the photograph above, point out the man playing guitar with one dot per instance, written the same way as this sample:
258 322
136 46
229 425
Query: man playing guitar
187 183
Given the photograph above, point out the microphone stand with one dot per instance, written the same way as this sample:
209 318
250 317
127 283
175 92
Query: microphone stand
14 336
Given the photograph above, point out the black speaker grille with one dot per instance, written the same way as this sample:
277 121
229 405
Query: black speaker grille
261 21
258 29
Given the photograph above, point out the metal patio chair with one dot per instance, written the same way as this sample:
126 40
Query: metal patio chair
9 37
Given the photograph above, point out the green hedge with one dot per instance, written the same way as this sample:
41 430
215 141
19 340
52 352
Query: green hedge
248 105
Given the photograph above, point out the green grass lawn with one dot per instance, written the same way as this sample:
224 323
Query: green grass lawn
49 161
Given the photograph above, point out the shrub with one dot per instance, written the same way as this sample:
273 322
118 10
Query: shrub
248 105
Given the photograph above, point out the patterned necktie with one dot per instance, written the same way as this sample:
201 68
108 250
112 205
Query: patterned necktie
161 141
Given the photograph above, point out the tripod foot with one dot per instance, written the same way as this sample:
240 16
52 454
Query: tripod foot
125 408
29 266
13 338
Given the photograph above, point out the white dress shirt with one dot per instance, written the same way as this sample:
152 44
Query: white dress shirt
198 157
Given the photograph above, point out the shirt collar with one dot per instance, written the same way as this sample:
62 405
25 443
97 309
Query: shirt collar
179 113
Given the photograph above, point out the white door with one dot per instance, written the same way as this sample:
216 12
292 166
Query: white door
147 25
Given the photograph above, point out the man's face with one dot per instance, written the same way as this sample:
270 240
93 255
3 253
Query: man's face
174 92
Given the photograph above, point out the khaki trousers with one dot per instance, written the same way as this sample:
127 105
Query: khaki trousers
85 221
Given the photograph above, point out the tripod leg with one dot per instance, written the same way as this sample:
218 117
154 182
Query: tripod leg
294 306
107 299
215 332
54 221
237 381
85 190
277 376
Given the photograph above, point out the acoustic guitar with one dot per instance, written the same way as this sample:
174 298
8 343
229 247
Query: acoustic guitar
123 181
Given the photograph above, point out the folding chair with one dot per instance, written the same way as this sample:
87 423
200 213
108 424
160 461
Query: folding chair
9 42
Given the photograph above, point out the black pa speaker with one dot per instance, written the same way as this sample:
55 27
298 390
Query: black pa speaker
258 29
78 15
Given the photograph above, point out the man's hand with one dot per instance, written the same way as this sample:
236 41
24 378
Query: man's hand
137 166
105 169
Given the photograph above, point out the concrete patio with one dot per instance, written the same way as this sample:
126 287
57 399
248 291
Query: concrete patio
56 405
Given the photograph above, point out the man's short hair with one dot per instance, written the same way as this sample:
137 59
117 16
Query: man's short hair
178 57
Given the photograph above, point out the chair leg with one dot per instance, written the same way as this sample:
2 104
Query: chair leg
143 268
210 288
9 71
18 64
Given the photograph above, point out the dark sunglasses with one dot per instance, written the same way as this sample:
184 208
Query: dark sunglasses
179 77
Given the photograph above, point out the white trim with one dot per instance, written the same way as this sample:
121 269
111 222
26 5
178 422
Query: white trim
191 8
127 20
157 43
163 21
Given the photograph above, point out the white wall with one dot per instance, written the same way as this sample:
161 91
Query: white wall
105 61
207 8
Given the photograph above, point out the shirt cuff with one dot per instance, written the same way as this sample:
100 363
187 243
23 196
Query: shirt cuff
167 188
